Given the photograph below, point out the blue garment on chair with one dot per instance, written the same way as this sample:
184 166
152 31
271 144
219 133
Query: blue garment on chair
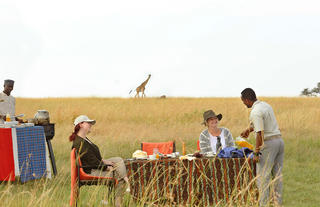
232 152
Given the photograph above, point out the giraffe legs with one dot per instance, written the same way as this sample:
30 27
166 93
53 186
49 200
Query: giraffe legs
143 94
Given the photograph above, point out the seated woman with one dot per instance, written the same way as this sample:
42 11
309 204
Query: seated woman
92 161
215 138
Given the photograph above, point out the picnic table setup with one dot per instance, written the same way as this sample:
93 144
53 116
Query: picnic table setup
26 152
196 180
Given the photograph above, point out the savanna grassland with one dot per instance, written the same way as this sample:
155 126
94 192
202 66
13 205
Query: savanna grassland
123 123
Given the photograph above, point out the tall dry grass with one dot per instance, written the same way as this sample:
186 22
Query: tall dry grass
123 123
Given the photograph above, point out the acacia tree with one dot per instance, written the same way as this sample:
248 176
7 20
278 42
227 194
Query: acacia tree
313 92
306 92
316 90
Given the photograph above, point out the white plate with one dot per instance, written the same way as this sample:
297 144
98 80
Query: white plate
11 122
19 126
209 156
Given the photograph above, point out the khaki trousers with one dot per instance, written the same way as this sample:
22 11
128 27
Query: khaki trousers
270 164
119 170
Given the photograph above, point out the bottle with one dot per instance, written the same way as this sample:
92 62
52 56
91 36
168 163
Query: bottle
183 149
243 143
8 118
156 153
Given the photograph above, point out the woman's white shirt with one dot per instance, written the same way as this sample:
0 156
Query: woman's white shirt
213 141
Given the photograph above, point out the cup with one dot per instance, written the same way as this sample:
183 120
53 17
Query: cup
177 154
8 118
155 151
152 157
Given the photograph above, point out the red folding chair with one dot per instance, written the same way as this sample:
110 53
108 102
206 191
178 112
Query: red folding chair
163 147
80 178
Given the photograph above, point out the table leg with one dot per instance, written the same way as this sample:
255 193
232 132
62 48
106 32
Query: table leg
53 162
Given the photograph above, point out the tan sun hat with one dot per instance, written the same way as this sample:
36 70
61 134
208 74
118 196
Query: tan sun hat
209 114
83 118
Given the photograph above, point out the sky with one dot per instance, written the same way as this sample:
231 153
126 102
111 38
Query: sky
202 48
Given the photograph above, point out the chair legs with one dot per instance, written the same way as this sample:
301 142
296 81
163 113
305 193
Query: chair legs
76 184
75 190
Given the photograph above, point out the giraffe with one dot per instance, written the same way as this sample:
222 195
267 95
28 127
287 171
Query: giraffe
141 88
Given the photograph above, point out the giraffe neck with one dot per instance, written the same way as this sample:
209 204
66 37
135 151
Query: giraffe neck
145 82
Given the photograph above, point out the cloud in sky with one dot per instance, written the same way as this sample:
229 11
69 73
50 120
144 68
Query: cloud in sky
191 48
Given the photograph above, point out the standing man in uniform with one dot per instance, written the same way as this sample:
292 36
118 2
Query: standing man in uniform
269 151
7 102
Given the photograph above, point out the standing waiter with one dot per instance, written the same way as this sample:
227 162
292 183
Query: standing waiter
7 102
269 150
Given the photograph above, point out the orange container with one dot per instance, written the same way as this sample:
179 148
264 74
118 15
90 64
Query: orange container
183 149
8 118
243 143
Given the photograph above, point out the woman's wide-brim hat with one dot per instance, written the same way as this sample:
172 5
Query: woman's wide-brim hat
210 114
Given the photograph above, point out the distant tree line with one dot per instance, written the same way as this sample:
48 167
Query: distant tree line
311 92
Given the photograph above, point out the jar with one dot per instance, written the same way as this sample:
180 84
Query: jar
156 153
42 117
8 118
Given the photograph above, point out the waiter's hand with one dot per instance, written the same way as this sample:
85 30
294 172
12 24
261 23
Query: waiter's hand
245 133
256 158
3 117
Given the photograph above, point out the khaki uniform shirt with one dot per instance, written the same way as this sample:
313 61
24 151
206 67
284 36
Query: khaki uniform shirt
263 119
7 105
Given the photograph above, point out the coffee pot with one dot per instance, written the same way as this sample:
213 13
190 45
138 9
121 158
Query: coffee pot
42 117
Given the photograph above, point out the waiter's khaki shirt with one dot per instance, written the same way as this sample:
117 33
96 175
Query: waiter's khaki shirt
263 119
7 105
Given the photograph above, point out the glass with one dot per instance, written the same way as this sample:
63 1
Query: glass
8 118
156 152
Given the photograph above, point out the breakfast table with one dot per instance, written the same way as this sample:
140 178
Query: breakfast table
23 154
201 181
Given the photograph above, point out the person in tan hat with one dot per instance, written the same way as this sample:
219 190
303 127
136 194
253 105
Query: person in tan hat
92 161
214 138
